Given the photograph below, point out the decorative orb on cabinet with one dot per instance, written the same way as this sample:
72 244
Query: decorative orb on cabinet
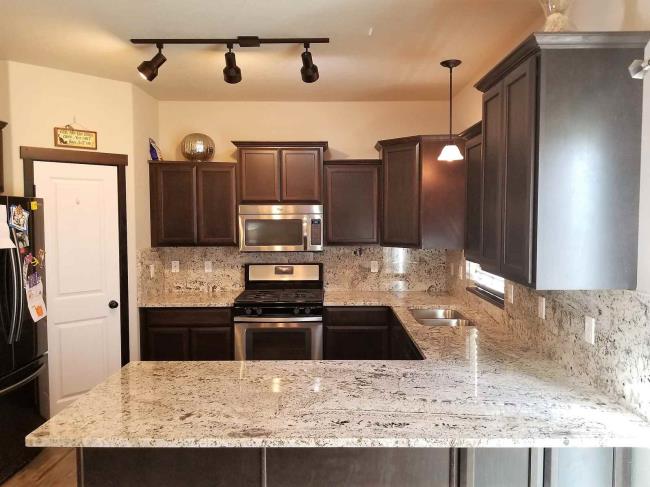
197 147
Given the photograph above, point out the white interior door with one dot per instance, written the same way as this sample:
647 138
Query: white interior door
82 265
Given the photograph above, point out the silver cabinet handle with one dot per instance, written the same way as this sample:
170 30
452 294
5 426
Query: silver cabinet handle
21 383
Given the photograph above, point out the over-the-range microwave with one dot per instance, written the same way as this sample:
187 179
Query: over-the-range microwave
280 228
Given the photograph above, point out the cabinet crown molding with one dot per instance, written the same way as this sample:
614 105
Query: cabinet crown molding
279 144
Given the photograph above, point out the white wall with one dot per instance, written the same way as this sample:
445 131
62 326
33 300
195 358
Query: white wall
352 128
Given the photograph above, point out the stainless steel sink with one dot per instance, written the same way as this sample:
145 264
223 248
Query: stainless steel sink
439 317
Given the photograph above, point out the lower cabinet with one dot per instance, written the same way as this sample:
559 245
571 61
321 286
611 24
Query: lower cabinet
365 333
186 334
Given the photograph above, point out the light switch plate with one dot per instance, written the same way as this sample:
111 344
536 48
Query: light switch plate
460 271
176 265
152 271
510 293
590 330
207 266
541 308
374 266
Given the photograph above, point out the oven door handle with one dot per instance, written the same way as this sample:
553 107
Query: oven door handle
297 319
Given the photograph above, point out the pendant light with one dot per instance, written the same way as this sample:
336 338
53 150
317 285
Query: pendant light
450 152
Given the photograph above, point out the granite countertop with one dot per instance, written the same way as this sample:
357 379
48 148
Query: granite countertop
476 388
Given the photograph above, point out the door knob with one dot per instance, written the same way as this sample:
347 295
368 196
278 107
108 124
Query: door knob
113 304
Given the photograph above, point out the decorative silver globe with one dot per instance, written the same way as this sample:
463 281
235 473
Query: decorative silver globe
197 147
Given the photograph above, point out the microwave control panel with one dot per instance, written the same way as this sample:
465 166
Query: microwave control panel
316 231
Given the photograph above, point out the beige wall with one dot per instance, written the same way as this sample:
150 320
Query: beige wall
610 14
352 128
4 103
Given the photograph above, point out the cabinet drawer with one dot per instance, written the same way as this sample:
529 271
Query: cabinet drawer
361 315
211 343
187 316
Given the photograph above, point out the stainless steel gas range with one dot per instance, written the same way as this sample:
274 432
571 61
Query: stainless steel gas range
279 315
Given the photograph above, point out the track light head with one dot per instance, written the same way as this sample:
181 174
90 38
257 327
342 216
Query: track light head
309 70
149 69
232 72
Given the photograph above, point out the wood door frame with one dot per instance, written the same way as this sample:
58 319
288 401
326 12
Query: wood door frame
120 161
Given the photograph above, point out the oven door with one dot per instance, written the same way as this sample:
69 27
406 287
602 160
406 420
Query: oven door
265 339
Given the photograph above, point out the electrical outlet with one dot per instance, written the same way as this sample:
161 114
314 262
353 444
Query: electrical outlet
590 330
460 271
176 265
374 266
541 308
152 271
510 293
452 269
207 266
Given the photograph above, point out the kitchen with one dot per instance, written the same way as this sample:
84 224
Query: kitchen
318 299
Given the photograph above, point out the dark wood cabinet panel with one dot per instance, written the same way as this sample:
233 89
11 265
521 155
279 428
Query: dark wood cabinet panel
401 196
173 204
167 343
352 204
490 256
260 175
302 171
186 333
519 111
474 161
356 342
211 343
217 204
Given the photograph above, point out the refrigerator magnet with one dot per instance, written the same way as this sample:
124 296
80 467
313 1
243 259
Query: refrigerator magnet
18 218
22 239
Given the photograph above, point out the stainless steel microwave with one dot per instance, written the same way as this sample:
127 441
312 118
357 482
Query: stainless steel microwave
280 228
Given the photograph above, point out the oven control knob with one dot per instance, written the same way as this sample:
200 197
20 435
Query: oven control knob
258 311
307 311
248 311
296 311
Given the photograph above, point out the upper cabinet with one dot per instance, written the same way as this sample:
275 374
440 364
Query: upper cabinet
560 167
473 195
281 172
352 202
193 203
423 198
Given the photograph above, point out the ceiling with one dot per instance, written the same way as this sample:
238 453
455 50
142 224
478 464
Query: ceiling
397 60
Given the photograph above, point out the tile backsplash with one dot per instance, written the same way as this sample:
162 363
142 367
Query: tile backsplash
345 268
619 361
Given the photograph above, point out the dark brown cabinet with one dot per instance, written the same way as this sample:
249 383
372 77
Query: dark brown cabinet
560 201
352 202
193 203
474 165
423 198
275 172
186 334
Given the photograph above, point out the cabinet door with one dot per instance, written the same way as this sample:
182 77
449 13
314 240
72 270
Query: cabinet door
491 194
173 204
211 343
260 175
352 204
217 204
302 171
356 342
519 113
168 343
473 158
401 196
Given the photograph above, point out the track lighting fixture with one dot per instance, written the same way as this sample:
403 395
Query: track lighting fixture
149 69
232 72
309 70
450 152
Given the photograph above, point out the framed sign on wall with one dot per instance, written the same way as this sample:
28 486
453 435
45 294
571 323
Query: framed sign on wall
75 138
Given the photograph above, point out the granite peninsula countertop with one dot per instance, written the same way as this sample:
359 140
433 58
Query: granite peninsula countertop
476 388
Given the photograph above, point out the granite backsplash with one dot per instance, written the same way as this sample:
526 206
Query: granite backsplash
345 268
619 361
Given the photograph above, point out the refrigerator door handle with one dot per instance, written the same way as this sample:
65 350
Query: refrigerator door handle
24 381
14 305
19 291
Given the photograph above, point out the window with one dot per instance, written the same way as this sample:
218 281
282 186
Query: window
488 285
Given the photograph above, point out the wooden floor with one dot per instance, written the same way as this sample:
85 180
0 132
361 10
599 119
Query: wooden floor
53 467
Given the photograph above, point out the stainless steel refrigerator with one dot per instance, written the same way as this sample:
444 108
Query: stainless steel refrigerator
23 335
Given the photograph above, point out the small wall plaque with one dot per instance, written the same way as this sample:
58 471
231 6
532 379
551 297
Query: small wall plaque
74 138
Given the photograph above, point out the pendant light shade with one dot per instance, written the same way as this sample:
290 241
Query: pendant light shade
450 152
